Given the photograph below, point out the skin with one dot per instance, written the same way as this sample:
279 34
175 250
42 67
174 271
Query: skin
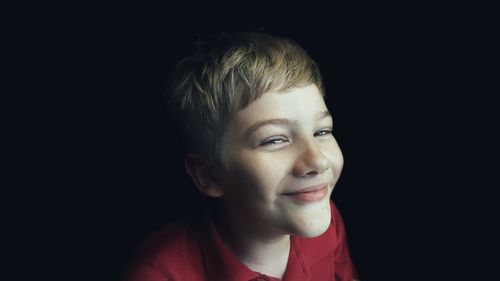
296 152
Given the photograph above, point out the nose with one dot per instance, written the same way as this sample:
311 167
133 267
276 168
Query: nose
310 161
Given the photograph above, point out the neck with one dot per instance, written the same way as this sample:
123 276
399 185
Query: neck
260 251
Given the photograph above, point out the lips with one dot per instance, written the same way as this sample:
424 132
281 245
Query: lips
309 194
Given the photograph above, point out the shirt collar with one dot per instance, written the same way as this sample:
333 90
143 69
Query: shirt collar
222 264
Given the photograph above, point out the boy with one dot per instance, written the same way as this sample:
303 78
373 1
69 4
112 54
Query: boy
262 147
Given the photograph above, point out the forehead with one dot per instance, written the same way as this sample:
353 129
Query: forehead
298 103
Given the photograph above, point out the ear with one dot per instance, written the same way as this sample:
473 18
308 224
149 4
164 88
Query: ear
203 175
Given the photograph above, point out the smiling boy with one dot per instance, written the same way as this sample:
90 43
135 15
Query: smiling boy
262 147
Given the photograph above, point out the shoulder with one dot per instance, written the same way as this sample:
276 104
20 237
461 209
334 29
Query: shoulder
173 253
172 239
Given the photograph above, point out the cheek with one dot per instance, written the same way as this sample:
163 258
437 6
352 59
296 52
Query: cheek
259 175
336 159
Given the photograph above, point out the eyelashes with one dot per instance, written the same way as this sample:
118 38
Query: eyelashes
323 132
277 140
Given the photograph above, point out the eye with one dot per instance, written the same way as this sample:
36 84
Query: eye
274 141
323 132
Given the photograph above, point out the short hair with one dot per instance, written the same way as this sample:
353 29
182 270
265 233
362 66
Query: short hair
225 74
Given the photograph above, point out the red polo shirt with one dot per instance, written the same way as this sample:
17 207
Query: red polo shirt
194 251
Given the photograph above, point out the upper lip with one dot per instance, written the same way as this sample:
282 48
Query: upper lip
306 189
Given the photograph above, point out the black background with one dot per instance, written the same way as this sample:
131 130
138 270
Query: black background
102 166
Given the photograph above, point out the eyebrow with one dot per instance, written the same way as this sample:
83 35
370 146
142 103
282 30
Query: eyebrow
284 122
322 115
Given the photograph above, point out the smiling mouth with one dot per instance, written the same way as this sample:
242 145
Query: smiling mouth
309 194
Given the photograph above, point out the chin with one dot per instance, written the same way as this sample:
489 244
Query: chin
313 226
316 229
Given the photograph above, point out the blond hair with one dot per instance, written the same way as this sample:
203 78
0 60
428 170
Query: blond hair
226 74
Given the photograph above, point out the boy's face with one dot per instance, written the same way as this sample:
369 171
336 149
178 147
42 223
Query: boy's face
282 164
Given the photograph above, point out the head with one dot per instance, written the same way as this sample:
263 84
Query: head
252 109
227 73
